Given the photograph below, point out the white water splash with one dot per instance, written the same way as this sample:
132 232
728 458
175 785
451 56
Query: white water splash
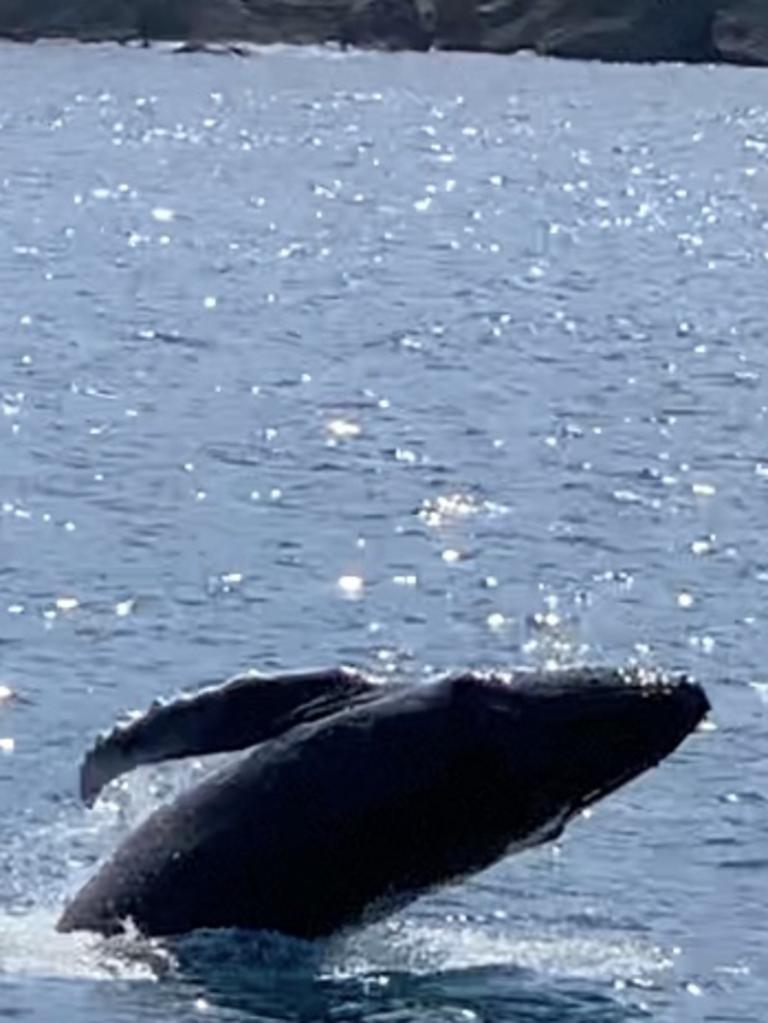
47 864
408 945
30 946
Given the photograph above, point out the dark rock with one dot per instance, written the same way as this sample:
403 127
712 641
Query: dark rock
181 19
19 35
623 30
294 21
458 25
618 30
740 33
90 19
389 24
122 20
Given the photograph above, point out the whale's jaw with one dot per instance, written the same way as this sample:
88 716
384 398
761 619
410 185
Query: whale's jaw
643 724
571 737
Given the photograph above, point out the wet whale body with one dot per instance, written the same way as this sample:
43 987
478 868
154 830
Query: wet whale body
358 796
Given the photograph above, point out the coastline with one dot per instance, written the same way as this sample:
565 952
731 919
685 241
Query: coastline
636 31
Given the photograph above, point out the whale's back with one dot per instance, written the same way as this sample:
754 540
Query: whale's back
302 834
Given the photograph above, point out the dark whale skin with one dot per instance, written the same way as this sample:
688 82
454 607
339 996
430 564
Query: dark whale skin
345 818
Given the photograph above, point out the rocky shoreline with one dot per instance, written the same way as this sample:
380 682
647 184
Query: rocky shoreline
733 31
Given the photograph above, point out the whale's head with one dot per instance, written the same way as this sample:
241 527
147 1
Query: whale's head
557 741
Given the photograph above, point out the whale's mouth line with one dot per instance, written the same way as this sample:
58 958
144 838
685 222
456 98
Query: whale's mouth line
597 794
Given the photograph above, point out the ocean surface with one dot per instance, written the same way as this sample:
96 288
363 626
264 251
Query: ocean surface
406 362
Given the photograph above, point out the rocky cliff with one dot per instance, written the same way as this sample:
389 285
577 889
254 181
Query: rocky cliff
624 30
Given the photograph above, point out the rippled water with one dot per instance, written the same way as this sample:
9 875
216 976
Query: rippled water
406 362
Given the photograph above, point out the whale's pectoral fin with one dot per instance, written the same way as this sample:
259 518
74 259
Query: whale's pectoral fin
242 712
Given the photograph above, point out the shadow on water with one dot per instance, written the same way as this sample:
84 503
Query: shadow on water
233 977
269 977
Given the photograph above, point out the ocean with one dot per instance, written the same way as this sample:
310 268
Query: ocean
407 362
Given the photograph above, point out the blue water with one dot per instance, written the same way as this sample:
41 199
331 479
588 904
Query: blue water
406 362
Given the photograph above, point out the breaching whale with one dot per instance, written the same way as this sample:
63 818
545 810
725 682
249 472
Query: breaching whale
359 796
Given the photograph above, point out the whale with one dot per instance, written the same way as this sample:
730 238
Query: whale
349 797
